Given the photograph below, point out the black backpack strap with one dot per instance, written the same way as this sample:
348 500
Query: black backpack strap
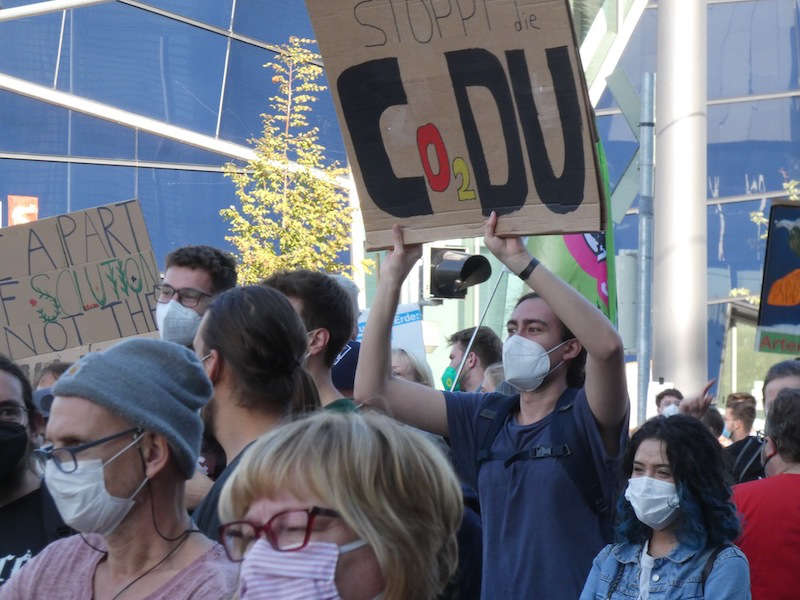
580 467
709 566
741 474
740 456
492 415
556 451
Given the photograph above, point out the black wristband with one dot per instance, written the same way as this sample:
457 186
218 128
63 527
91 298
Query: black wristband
526 272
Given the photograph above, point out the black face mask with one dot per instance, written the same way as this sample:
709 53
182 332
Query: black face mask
13 444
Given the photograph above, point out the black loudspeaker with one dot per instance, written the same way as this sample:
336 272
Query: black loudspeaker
452 272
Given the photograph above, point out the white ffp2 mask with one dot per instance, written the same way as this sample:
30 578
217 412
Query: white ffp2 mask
655 502
526 363
82 499
177 323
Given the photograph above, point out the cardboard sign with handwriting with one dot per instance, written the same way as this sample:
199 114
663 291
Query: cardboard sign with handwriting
76 279
451 109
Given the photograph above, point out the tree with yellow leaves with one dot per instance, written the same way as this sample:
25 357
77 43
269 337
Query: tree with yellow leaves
294 211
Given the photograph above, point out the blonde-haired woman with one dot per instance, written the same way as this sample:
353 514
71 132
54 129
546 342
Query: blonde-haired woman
342 505
408 365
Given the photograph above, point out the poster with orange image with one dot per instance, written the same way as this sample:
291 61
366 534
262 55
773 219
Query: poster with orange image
779 309
22 209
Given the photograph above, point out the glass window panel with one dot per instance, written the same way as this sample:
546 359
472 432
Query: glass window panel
94 185
28 47
640 54
45 180
31 126
271 22
606 100
182 207
753 48
154 148
626 233
213 12
619 144
144 63
753 146
248 89
90 136
735 247
717 321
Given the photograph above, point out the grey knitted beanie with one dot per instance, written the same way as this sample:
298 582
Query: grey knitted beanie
158 386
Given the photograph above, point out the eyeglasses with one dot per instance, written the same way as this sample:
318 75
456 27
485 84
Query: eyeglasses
66 458
189 297
288 531
11 412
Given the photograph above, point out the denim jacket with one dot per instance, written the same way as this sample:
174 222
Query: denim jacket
678 575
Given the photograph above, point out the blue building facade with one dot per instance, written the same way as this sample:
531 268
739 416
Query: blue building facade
194 64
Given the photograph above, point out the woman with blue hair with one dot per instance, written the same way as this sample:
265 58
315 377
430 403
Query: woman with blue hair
675 521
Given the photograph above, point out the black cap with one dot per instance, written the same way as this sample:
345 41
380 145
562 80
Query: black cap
343 372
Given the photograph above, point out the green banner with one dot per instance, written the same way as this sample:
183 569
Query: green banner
585 260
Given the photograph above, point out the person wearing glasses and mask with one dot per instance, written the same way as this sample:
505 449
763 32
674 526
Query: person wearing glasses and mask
194 275
123 438
675 520
349 506
28 518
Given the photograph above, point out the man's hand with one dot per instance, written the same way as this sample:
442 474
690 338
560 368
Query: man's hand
696 406
398 263
509 250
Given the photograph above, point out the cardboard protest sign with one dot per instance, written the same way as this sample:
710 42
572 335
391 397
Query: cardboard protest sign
779 311
76 279
453 108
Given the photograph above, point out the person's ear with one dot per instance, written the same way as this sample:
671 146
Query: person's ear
213 366
770 447
318 340
472 360
572 348
155 453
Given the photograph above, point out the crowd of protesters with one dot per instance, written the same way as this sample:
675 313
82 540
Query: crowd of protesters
257 451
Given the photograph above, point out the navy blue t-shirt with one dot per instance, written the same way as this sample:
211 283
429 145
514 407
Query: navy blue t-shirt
539 535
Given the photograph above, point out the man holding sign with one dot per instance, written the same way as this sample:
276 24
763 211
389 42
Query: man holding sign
544 461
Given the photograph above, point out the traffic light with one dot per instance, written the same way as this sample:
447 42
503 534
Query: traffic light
453 271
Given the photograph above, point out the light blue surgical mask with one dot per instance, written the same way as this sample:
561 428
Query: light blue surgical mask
670 410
